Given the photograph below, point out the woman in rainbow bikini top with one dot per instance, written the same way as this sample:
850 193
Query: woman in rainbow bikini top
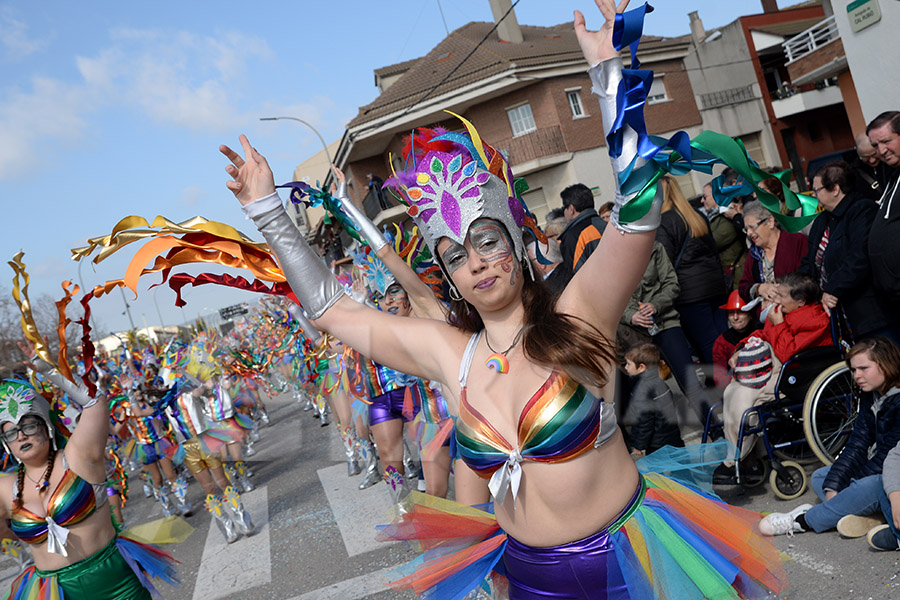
57 501
580 521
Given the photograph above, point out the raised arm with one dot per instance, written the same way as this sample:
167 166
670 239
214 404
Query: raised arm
421 297
600 290
86 448
420 347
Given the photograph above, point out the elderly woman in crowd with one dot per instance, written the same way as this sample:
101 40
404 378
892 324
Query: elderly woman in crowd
773 253
838 258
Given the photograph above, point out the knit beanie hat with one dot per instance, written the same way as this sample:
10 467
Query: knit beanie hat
754 363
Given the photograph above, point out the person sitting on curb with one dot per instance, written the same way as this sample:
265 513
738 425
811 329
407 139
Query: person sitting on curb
853 484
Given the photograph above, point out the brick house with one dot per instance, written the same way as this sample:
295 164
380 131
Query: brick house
526 90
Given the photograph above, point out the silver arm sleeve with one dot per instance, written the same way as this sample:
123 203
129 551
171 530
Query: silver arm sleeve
310 279
366 227
308 328
77 394
606 77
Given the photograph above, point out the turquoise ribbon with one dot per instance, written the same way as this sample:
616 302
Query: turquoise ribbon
680 154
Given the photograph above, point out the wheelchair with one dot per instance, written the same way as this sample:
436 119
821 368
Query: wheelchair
810 419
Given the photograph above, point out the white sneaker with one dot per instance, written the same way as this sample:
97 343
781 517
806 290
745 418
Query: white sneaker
783 523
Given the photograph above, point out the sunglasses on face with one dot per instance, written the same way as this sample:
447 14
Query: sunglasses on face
28 428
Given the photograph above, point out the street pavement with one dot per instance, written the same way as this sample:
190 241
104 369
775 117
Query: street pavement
315 532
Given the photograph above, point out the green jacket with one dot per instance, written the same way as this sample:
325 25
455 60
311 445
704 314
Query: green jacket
659 287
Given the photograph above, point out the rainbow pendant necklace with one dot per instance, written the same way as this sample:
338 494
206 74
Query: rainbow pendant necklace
498 361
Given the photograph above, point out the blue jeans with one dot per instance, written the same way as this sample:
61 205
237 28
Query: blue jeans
861 497
702 323
886 511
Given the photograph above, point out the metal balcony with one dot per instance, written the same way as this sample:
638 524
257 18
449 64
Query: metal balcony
810 40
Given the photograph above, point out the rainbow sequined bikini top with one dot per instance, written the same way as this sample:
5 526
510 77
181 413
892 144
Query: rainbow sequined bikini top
561 421
73 501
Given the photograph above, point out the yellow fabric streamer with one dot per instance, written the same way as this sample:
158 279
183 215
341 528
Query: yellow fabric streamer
131 229
20 294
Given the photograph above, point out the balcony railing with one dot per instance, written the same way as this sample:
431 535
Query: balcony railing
726 97
546 141
811 40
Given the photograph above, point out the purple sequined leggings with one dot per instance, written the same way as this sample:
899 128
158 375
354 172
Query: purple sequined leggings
586 569
388 406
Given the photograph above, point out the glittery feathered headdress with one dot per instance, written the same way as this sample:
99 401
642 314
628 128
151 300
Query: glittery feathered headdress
452 179
17 400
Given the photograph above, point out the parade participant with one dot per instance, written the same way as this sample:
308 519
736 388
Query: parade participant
185 412
152 449
52 505
852 484
579 519
436 425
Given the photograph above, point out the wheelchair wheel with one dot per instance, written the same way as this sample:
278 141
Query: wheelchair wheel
754 471
829 412
790 483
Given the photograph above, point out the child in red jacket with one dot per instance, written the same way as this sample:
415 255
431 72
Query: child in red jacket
797 322
741 324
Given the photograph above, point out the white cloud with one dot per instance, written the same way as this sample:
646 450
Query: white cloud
50 111
14 37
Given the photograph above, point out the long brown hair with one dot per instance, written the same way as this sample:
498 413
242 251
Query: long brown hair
673 198
550 338
20 477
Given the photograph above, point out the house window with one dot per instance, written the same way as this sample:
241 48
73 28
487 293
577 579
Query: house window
657 91
521 119
575 106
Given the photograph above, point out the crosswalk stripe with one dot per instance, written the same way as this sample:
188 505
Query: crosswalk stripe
352 589
247 563
356 512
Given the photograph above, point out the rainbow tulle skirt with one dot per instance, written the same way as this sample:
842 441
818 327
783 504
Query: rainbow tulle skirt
672 541
123 569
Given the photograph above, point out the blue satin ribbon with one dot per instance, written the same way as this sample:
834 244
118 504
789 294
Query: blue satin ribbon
679 154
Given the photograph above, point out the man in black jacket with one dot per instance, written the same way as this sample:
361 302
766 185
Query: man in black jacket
585 227
884 237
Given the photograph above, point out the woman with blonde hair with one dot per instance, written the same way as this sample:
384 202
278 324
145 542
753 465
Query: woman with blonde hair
685 235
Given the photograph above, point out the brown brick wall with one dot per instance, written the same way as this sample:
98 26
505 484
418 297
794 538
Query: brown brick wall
550 108
821 57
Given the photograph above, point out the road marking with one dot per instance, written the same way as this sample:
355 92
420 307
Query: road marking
247 563
811 561
352 589
356 511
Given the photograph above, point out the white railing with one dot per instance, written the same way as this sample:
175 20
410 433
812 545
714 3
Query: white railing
810 40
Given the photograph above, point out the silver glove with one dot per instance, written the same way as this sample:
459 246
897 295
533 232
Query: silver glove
311 280
606 77
364 226
78 394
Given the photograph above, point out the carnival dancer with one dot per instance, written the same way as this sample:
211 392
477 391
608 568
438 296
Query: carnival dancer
52 505
574 517
152 448
185 412
433 426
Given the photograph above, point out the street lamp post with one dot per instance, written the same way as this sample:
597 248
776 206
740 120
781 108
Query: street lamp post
301 207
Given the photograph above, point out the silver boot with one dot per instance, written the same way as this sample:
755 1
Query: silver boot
241 516
409 463
165 498
232 475
243 474
349 438
226 525
368 454
397 484
322 408
183 505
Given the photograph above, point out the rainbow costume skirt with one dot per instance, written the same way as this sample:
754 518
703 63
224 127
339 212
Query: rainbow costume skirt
123 569
672 541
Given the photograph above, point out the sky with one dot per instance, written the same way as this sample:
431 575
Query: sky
110 109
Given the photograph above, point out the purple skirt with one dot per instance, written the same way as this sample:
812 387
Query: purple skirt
389 406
